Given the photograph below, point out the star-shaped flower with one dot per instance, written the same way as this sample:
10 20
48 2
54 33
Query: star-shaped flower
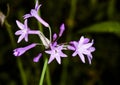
82 47
55 52
34 13
23 32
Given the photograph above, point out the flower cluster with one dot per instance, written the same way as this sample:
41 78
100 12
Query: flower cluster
55 50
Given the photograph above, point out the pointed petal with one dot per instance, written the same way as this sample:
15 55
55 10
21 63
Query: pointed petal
89 60
74 43
71 47
48 51
91 49
86 52
27 16
20 25
20 38
88 45
81 40
51 59
26 37
36 5
25 24
62 54
19 32
82 57
86 40
58 59
74 54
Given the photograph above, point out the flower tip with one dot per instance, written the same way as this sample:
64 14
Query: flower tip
54 37
36 59
16 53
62 28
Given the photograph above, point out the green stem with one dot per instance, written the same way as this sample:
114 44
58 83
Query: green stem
22 73
48 77
43 72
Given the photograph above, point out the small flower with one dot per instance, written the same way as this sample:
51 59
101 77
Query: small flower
23 32
34 13
36 59
55 52
82 47
22 50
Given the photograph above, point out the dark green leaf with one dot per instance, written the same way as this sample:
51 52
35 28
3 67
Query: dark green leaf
103 27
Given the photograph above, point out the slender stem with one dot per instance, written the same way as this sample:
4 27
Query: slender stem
22 73
48 76
43 72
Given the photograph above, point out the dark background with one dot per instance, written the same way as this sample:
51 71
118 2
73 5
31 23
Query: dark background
95 19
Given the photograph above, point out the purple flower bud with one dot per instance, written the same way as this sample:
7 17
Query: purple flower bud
62 28
36 59
22 50
54 37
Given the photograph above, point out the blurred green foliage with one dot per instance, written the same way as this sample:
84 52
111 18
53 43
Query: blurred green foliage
96 19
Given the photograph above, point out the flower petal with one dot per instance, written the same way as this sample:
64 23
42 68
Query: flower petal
20 38
27 16
51 59
58 59
19 32
20 25
81 57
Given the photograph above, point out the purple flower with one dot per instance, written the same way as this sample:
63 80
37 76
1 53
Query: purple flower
34 13
22 50
23 32
82 47
56 52
36 59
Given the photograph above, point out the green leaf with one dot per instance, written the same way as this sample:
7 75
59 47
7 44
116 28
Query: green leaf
103 27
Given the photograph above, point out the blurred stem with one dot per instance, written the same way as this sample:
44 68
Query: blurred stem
111 8
48 76
43 71
20 66
70 26
93 4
